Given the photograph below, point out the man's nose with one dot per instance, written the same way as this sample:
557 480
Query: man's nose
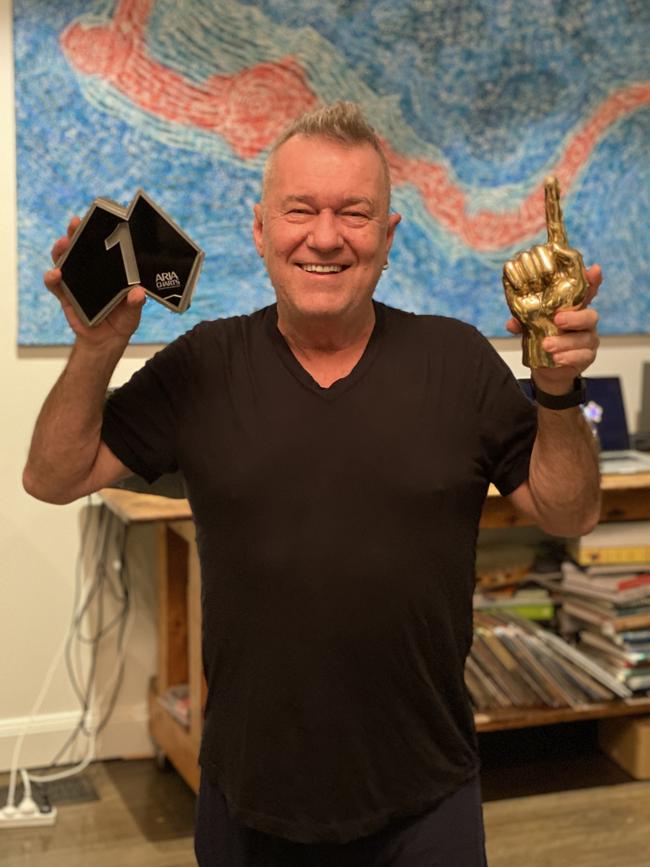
324 234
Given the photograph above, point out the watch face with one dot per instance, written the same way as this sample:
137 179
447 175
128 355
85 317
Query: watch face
95 276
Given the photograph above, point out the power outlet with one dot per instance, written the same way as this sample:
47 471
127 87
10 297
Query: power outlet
26 815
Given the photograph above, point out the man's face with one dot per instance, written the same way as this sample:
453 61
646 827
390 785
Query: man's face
323 227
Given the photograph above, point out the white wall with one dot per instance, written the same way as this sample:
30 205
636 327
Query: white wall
39 543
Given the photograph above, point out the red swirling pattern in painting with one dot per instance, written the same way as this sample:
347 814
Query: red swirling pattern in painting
250 108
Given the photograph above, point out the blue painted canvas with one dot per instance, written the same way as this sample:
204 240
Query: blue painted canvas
476 101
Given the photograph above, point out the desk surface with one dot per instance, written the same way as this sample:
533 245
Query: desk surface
138 508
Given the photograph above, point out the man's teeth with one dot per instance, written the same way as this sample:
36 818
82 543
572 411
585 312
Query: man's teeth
323 269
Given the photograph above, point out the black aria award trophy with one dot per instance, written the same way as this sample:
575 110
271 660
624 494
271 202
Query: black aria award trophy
115 248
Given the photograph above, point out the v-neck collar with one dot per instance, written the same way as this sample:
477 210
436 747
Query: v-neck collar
304 377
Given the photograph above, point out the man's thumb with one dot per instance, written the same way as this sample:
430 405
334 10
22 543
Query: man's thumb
136 297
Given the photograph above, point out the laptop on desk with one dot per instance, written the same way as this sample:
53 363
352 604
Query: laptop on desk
604 409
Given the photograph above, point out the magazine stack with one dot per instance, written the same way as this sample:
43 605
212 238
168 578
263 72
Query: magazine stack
605 594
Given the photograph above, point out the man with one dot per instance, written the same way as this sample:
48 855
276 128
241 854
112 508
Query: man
337 453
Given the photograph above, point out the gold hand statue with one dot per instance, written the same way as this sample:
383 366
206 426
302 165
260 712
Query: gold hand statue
543 280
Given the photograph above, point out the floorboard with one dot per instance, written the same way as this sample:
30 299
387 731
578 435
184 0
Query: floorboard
602 827
551 799
144 818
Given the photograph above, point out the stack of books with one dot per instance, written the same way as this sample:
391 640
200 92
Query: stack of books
605 593
514 662
176 700
507 578
533 603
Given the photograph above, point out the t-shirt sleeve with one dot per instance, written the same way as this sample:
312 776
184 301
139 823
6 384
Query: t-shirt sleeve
142 418
507 420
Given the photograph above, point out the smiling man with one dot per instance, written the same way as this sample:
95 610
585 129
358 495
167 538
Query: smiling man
325 231
336 453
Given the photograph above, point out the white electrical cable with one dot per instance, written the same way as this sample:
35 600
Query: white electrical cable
95 700
69 772
21 737
27 789
11 793
88 588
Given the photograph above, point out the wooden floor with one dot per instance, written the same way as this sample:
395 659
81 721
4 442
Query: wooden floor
144 818
602 827
583 812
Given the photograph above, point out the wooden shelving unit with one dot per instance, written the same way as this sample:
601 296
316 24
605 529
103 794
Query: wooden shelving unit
515 718
625 498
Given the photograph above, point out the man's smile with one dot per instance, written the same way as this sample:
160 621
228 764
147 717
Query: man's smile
313 268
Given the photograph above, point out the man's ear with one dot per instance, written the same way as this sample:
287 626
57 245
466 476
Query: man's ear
258 228
393 220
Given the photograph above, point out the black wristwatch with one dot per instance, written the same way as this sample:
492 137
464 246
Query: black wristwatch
560 401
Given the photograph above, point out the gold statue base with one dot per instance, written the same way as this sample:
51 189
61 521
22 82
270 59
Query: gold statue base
533 353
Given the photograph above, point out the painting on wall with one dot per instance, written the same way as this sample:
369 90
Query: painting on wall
475 103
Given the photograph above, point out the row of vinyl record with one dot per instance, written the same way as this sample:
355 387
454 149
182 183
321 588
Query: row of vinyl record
599 602
515 662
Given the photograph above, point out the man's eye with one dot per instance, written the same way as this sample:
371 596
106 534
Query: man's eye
355 216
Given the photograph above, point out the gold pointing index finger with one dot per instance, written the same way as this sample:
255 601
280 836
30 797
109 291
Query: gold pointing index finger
554 222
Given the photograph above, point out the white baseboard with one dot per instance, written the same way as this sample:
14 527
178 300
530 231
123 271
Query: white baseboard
125 736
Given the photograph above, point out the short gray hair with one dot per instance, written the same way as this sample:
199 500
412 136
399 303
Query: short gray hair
339 121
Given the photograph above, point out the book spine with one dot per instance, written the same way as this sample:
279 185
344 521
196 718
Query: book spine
632 621
586 555
642 580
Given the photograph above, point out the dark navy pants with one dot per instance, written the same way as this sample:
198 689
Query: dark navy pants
450 835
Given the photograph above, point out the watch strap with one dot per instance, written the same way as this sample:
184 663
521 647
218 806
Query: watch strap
575 397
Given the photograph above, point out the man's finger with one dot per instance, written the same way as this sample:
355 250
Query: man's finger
52 280
594 276
73 225
59 247
61 244
136 296
574 321
554 220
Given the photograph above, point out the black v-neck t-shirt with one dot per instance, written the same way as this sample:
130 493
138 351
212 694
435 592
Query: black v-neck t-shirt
336 530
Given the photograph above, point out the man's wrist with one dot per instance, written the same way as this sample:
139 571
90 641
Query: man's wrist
102 351
574 397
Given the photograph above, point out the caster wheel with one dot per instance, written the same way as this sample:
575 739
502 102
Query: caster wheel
162 762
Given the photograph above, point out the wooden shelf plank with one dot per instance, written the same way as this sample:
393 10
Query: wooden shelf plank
518 718
625 481
138 508
624 498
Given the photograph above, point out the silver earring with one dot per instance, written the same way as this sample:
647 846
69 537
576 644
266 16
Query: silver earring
386 266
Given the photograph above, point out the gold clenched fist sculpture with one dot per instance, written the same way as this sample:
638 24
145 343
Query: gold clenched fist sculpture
543 280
